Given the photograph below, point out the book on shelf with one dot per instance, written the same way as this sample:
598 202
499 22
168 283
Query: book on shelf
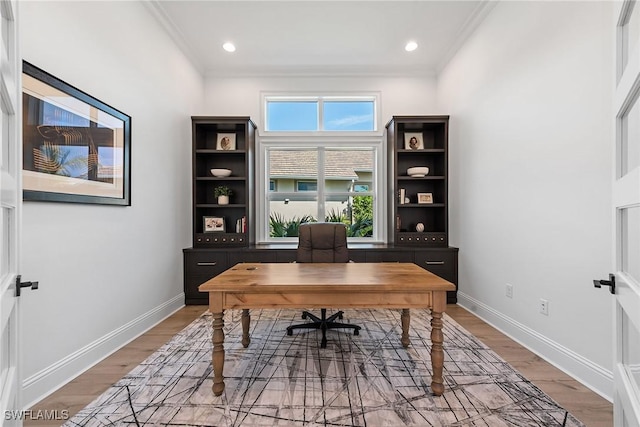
241 225
401 196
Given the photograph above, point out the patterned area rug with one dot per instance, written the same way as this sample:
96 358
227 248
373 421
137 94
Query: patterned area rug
365 380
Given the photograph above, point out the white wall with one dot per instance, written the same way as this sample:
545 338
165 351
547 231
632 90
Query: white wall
107 273
529 95
530 168
242 96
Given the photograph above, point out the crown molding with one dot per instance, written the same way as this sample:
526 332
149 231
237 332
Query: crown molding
157 11
323 71
473 22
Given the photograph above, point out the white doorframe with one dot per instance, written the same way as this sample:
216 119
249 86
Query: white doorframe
10 212
626 206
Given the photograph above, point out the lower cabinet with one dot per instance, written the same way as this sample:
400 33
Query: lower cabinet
441 262
202 264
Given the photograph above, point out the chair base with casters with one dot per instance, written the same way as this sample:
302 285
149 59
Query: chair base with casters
322 242
323 323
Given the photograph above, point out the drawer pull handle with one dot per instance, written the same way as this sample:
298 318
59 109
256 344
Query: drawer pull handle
434 262
207 264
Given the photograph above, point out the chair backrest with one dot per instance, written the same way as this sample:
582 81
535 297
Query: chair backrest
322 242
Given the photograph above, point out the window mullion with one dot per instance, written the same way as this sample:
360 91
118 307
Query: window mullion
321 186
329 191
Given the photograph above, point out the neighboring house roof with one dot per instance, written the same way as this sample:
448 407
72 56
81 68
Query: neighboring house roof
303 164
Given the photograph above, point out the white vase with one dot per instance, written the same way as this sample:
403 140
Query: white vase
223 200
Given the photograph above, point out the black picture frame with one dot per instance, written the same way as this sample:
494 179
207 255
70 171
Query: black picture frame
213 224
76 148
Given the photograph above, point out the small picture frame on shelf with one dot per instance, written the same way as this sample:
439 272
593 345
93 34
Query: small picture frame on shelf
413 141
425 198
226 141
212 224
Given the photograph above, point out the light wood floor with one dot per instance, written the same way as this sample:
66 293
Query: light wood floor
586 405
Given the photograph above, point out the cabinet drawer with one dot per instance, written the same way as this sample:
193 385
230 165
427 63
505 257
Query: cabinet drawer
357 255
441 263
205 263
191 288
286 255
251 256
389 256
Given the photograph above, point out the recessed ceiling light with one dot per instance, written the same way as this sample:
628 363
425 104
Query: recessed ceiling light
229 47
411 46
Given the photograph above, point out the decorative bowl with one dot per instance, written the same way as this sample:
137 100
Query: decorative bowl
418 171
220 172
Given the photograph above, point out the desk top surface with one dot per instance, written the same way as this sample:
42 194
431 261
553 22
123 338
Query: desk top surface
284 277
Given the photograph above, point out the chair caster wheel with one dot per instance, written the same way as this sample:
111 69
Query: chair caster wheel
289 332
304 316
356 332
340 316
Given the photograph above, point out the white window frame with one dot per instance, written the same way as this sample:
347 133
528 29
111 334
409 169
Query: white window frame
268 140
281 142
320 98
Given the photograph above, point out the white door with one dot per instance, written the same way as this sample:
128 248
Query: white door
10 204
626 203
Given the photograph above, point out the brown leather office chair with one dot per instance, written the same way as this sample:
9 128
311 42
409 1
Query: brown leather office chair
322 242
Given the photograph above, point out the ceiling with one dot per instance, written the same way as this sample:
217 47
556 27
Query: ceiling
319 37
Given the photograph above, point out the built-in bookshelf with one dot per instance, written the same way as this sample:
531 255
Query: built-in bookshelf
420 197
214 251
222 144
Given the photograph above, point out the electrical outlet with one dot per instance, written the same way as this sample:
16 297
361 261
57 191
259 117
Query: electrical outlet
544 307
509 291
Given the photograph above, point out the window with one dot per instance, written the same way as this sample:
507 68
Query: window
292 115
348 115
312 114
320 157
341 192
307 186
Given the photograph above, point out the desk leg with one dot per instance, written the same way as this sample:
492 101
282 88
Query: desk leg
405 319
218 353
437 353
246 320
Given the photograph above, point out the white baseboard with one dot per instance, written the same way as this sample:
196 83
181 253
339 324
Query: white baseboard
50 379
593 376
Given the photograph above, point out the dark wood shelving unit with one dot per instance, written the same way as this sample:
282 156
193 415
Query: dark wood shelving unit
214 252
432 131
208 155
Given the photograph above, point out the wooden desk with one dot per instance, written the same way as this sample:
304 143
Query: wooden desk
317 285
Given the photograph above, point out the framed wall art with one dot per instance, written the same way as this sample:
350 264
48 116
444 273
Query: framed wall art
226 141
213 224
75 148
